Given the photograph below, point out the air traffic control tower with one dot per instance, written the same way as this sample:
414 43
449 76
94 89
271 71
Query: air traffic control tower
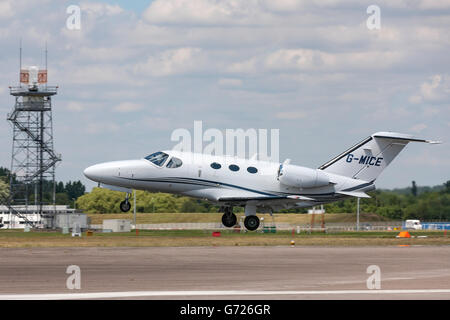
33 160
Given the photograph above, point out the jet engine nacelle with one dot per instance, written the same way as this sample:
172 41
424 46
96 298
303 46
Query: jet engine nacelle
301 177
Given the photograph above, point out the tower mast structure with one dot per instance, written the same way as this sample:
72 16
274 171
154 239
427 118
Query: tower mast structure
33 158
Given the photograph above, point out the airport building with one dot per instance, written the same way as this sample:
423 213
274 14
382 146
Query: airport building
31 213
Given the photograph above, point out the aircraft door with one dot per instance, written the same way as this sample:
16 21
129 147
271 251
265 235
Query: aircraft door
126 172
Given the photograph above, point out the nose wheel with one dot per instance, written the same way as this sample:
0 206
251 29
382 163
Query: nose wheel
125 205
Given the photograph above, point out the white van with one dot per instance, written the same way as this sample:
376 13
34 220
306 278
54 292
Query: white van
413 224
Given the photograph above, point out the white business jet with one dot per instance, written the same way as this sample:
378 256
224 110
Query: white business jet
255 185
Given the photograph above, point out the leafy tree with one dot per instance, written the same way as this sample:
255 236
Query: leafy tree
100 200
74 189
4 190
59 188
4 174
414 189
62 198
447 187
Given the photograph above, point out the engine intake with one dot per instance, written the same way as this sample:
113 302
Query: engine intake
301 177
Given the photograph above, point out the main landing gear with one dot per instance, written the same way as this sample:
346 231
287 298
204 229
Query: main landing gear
251 222
125 205
229 220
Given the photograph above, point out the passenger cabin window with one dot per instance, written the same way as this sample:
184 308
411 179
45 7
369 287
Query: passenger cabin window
233 167
174 163
252 170
157 158
216 165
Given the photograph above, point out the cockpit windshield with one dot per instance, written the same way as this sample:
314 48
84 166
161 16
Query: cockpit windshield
174 163
157 158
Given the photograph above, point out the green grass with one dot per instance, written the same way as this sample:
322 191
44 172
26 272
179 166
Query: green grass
293 218
161 238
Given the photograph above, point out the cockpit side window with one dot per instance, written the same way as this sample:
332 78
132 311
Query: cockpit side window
174 163
157 158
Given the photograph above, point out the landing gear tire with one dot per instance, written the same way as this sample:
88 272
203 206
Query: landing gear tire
251 223
229 220
125 206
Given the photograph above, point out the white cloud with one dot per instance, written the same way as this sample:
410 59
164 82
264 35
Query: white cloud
94 74
418 127
436 90
282 5
101 127
127 107
291 115
202 12
6 9
75 106
98 9
294 60
300 59
172 62
230 82
105 54
432 4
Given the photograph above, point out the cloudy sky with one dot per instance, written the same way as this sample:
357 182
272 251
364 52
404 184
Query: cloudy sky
137 70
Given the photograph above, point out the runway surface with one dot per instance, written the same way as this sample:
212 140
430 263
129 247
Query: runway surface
226 273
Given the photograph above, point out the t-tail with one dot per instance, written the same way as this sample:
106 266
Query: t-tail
367 159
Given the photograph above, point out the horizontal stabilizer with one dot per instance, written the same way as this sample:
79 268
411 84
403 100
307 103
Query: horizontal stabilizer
402 136
357 194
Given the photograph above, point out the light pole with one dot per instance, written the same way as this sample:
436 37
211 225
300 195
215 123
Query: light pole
357 214
134 209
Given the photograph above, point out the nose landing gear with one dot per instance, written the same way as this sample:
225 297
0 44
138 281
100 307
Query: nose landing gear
125 205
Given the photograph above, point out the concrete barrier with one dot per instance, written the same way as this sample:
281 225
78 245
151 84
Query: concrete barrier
329 227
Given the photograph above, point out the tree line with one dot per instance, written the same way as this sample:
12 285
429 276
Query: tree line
429 203
65 193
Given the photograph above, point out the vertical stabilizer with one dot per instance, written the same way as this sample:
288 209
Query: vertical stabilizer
367 159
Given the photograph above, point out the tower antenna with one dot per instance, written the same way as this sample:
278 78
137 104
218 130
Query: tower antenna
20 59
46 70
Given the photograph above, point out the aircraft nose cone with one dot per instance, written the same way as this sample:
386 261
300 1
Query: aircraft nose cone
93 172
